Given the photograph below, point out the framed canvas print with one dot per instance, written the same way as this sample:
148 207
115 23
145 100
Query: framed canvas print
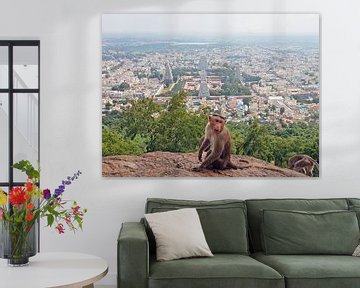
210 95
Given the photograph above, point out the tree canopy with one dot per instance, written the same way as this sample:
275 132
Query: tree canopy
148 126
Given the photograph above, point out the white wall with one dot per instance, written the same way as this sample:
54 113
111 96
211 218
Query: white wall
70 34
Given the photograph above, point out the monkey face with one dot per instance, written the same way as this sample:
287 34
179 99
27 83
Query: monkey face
216 123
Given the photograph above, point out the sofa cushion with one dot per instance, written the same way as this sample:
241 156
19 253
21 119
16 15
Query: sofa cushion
223 221
297 232
222 270
354 205
254 216
313 271
353 201
178 234
356 209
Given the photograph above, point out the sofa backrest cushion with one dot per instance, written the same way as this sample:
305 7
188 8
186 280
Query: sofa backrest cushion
298 232
353 202
256 205
223 221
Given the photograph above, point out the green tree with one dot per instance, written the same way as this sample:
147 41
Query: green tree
258 142
121 87
178 130
108 105
298 138
237 141
281 151
113 120
273 144
140 118
113 143
215 93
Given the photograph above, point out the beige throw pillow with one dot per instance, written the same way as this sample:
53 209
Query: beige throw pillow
178 234
357 251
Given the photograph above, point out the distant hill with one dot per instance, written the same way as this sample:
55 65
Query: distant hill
167 164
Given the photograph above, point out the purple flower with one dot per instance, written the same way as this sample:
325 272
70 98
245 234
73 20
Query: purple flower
46 194
68 181
58 192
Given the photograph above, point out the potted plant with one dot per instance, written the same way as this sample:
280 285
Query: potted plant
21 208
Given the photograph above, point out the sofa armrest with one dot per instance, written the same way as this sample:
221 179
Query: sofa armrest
133 256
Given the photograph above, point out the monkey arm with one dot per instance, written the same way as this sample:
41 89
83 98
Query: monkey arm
214 155
204 145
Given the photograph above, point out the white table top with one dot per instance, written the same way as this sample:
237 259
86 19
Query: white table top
45 270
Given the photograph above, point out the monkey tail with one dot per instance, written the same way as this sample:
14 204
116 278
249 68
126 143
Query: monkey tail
231 165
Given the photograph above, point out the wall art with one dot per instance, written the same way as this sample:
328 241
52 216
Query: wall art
210 95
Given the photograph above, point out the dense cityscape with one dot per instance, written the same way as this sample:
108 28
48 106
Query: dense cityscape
273 80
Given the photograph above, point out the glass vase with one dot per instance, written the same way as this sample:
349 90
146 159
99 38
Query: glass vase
18 242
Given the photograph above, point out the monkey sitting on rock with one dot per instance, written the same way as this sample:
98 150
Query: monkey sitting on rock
217 145
302 164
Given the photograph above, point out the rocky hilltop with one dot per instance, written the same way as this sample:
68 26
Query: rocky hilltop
167 164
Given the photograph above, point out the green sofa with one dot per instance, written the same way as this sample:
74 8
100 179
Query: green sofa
236 234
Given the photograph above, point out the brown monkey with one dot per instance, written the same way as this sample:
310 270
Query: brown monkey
303 164
217 145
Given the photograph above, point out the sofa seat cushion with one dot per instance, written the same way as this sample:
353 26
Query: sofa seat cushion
222 270
313 271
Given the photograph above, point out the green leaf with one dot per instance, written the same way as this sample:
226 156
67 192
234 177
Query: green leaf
26 167
50 219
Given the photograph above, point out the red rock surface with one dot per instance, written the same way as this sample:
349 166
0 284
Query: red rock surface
167 164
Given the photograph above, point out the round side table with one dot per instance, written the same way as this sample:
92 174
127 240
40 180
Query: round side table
50 270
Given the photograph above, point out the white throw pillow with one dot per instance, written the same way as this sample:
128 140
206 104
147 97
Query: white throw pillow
357 251
178 234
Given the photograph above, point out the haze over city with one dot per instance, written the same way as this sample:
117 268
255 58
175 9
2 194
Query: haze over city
211 24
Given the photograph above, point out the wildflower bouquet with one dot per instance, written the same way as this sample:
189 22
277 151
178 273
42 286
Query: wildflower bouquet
22 206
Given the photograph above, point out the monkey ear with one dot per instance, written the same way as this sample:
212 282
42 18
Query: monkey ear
209 117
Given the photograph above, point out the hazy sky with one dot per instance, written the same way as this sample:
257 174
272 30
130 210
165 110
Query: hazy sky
212 24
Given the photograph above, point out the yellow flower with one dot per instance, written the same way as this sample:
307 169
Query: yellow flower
3 198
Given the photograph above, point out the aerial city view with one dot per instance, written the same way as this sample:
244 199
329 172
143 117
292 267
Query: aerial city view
247 77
